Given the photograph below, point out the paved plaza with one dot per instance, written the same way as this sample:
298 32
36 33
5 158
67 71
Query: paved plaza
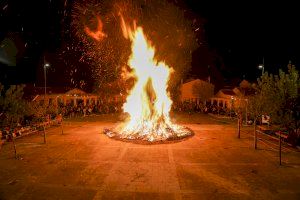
86 164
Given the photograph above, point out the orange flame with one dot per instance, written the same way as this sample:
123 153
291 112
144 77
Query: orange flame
148 103
98 34
126 30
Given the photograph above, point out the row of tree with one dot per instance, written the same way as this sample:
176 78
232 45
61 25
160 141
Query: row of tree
278 97
14 109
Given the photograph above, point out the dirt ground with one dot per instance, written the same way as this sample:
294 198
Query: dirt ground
83 163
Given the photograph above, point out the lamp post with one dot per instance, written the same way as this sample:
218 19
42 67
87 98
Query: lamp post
231 104
46 65
262 67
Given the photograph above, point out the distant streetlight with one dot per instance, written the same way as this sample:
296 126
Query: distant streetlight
262 67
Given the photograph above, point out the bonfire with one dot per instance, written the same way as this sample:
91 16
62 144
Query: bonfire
148 103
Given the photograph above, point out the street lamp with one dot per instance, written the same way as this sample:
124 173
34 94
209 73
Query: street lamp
231 104
262 66
46 65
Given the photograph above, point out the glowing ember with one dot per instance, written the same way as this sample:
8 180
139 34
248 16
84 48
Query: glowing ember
98 34
148 103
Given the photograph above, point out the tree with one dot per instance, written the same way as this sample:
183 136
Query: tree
42 113
259 103
240 106
277 96
13 106
286 113
255 107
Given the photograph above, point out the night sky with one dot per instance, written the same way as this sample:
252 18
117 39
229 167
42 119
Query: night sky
237 37
244 34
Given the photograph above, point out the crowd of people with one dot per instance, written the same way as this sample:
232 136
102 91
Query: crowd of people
199 107
78 110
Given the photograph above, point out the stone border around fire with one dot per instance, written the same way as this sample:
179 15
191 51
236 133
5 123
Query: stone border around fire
146 142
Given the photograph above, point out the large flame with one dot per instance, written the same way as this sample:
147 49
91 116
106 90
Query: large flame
148 103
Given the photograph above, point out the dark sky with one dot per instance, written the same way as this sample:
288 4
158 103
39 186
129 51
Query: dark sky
244 34
237 37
